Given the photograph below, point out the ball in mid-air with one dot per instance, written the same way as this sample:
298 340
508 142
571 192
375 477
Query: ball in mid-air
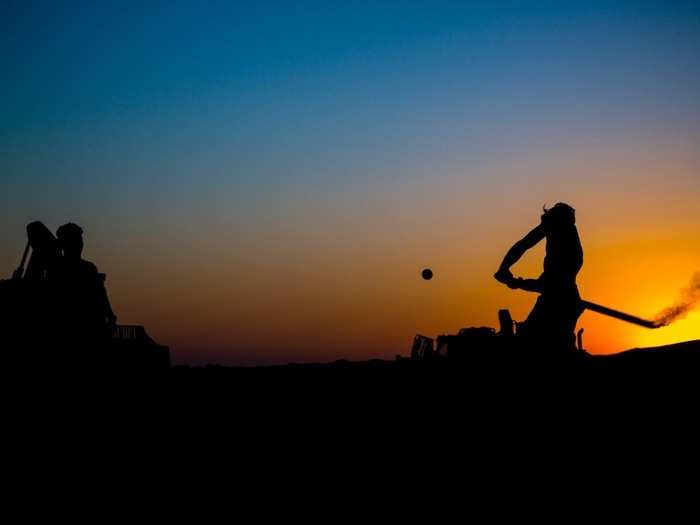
427 274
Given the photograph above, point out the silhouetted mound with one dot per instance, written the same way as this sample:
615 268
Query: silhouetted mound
478 367
679 357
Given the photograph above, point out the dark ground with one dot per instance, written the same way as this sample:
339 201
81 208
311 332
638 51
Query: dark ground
480 376
679 357
481 383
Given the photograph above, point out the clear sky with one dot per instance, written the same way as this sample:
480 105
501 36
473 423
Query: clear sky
263 181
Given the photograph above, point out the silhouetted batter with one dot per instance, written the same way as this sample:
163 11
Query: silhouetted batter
551 323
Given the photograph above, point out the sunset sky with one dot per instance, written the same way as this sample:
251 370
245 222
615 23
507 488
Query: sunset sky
263 182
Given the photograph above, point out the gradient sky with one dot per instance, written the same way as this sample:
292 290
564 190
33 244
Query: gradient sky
263 181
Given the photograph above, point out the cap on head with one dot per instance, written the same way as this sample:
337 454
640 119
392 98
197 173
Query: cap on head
559 215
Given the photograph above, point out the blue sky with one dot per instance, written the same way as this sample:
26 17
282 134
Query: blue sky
325 80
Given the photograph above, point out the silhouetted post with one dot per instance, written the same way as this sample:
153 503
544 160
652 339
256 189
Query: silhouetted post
506 322
19 272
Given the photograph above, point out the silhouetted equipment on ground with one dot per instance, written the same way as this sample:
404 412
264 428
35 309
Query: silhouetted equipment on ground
134 345
422 348
55 313
484 348
458 347
508 340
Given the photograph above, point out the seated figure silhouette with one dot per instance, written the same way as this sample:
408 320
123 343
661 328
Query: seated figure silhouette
550 326
87 315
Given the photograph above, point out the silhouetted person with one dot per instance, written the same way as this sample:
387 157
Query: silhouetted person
87 314
45 252
551 323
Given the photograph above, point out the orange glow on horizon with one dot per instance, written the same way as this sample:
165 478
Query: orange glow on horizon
339 277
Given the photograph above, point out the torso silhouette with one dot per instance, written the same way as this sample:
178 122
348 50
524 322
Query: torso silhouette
563 258
81 290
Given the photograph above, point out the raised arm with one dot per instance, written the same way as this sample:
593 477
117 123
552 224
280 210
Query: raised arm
516 252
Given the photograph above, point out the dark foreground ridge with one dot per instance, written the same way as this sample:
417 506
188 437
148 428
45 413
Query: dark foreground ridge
482 377
482 387
680 358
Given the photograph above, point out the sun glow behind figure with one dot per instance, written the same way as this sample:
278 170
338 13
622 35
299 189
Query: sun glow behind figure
645 274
